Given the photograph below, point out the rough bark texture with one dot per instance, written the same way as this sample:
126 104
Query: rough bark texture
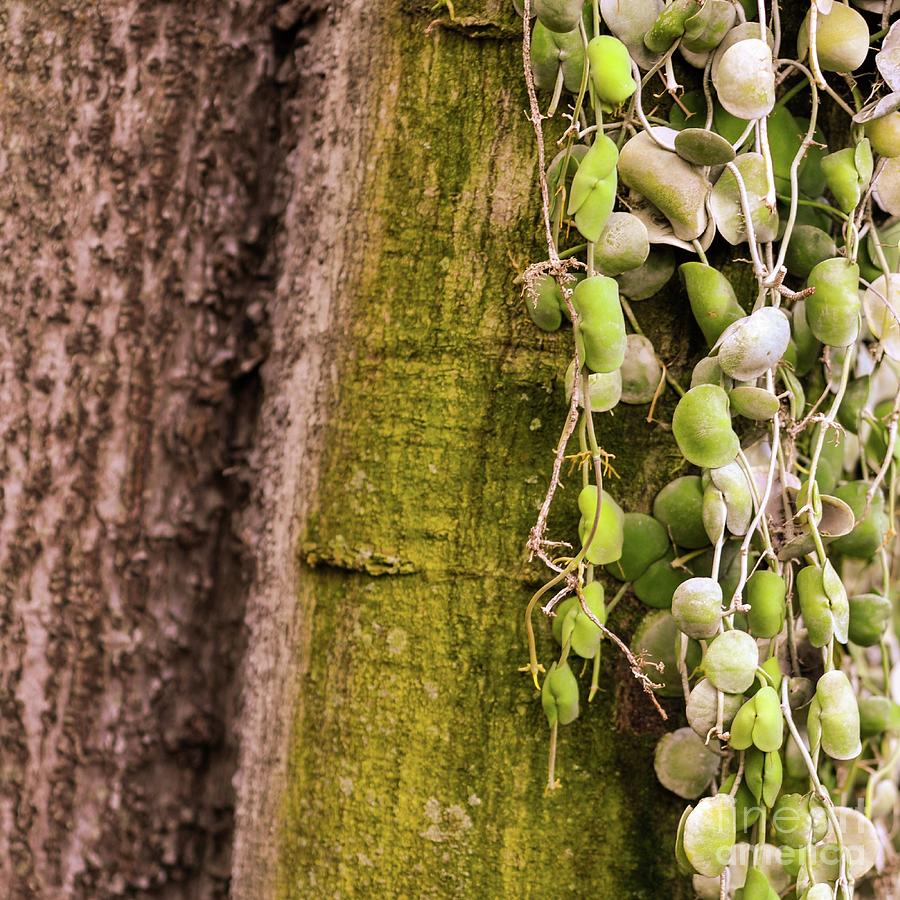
181 181
136 210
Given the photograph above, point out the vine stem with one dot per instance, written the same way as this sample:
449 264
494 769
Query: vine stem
535 540
814 61
820 790
707 93
557 93
641 80
533 666
762 504
636 667
536 120
758 268
762 133
828 420
817 204
551 760
878 775
791 633
798 158
620 593
739 775
888 455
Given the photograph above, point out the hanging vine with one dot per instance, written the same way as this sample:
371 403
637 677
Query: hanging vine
769 569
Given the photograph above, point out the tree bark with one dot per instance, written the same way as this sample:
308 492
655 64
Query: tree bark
137 208
292 589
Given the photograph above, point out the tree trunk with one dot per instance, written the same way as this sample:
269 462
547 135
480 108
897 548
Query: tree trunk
298 588
137 153
416 753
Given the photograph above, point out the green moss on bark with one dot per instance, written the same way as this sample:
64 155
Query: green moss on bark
418 758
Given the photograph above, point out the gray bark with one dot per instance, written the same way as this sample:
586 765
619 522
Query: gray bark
136 200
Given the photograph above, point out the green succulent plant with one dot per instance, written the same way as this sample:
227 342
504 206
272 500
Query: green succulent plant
768 560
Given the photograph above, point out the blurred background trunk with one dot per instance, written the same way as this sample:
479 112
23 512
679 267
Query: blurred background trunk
275 425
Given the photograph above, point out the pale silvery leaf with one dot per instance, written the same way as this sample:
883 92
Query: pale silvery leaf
876 6
725 202
629 21
860 840
878 108
881 305
887 187
659 229
888 58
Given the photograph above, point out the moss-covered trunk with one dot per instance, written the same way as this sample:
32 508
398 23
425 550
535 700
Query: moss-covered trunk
417 752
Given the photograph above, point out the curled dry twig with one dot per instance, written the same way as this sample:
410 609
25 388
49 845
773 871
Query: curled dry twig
636 665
